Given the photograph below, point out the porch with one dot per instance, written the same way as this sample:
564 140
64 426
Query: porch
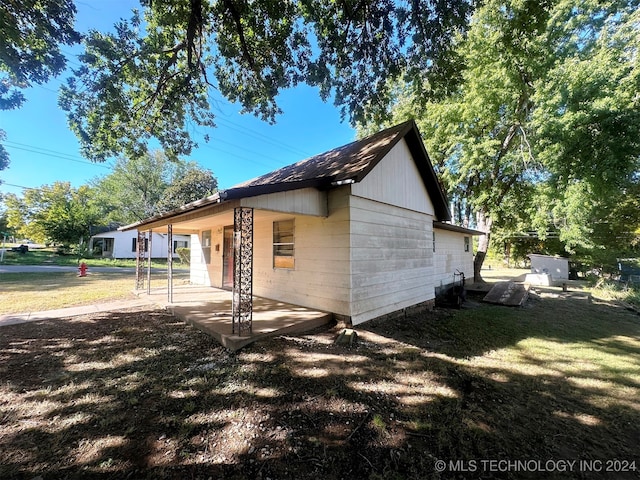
210 310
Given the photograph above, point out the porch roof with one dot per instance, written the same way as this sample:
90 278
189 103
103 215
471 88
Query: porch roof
343 165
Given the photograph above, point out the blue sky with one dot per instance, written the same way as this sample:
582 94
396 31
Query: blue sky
43 150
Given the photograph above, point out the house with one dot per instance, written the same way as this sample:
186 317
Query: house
118 244
359 231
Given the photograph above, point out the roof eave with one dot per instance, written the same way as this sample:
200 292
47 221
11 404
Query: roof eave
428 173
239 193
456 228
189 207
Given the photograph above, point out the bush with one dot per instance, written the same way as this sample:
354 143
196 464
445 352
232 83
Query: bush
184 254
607 289
63 250
82 250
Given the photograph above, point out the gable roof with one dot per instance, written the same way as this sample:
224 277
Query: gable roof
349 164
346 164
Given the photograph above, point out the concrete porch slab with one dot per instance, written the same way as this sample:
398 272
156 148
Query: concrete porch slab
209 309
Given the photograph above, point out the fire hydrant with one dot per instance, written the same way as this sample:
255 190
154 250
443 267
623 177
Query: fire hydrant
82 270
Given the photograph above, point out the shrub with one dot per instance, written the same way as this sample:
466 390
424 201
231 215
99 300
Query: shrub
184 254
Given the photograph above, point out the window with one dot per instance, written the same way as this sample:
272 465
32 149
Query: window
283 244
434 240
179 244
102 246
466 244
134 244
206 246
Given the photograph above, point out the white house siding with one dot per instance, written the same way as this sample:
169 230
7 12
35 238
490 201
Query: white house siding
320 278
391 258
450 256
308 201
199 275
396 181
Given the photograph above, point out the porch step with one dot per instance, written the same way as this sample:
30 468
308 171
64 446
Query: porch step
270 318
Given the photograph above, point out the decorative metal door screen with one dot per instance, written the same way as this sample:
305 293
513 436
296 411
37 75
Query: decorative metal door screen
140 259
242 270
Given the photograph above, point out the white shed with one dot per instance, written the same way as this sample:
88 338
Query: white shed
557 267
116 244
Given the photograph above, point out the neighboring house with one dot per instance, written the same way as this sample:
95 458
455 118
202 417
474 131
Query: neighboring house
117 244
357 231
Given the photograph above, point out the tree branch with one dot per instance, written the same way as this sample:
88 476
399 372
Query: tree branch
243 42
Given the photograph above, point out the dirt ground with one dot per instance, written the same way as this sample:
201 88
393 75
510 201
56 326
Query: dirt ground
139 394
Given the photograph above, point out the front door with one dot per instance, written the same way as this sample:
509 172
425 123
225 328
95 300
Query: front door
227 258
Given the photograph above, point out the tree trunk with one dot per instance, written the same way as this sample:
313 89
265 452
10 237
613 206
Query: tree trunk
483 223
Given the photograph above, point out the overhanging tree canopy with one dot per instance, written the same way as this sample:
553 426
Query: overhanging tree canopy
155 75
32 32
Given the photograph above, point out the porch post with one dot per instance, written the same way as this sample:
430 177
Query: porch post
242 270
170 263
149 264
140 257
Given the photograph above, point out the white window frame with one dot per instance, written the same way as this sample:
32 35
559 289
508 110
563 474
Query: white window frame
284 252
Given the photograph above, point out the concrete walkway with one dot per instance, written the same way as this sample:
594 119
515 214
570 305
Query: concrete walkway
18 318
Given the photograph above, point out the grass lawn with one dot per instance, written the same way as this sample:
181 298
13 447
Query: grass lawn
49 256
138 394
30 292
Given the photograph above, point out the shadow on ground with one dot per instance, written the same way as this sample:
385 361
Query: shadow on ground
138 394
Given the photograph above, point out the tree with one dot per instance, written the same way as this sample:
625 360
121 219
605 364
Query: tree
135 187
587 121
4 227
492 139
19 221
4 155
53 214
141 187
153 76
189 186
32 33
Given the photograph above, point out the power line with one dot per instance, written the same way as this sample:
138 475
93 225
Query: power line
262 155
50 153
239 128
45 88
18 186
254 133
238 156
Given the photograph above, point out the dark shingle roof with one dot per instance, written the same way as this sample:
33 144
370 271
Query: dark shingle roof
342 163
351 162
